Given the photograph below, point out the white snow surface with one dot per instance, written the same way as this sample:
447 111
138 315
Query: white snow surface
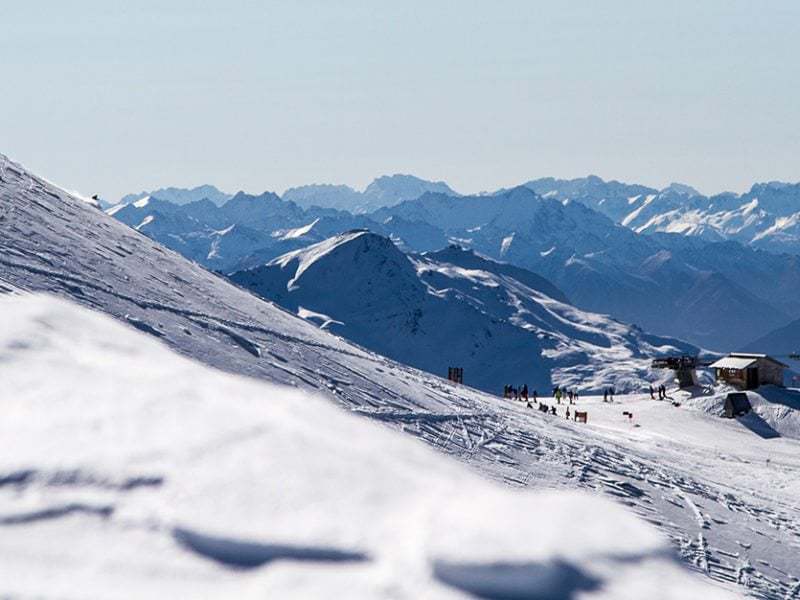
126 468
512 326
128 471
776 411
297 232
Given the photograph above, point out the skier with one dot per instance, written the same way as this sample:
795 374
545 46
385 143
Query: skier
568 413
558 395
555 391
575 395
525 391
652 397
535 396
605 395
611 394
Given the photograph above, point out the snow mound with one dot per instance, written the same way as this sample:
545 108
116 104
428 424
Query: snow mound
143 464
776 411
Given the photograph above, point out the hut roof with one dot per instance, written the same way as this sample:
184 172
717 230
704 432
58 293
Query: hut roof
753 355
733 362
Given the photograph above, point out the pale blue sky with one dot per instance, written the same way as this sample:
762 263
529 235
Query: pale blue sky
101 96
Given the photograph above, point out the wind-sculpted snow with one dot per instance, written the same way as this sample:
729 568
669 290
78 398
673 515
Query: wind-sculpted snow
122 445
502 324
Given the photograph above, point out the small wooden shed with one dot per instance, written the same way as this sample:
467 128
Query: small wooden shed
748 371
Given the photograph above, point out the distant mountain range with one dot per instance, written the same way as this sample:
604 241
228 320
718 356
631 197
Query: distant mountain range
613 248
668 284
766 217
383 191
453 307
180 195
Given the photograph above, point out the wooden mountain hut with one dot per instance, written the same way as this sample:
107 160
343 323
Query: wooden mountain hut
748 371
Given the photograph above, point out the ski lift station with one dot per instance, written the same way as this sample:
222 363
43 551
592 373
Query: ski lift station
748 371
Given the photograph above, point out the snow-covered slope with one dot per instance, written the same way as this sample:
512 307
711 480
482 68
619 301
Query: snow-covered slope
776 411
245 230
500 323
129 472
703 484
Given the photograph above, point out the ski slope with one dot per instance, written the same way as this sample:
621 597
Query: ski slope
703 482
129 472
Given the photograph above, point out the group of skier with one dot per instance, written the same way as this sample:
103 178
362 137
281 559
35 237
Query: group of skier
532 400
662 392
520 393
567 394
608 395
551 410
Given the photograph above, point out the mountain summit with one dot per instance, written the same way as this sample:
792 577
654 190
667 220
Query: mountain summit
499 322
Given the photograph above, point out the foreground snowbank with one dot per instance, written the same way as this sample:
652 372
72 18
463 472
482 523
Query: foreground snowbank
128 471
